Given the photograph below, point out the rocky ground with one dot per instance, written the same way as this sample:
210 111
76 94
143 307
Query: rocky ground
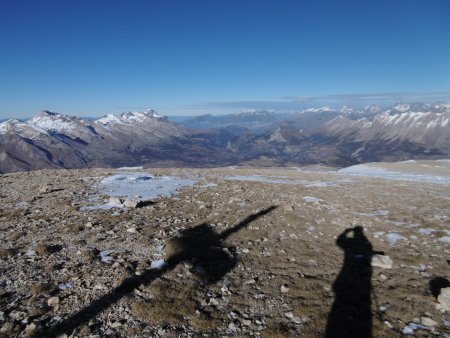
243 252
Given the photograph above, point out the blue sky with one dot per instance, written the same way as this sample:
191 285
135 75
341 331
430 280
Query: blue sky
92 57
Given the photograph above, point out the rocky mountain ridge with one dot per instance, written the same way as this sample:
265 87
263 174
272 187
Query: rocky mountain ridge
337 137
351 136
52 140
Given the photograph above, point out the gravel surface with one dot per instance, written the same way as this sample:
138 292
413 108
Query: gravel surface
275 252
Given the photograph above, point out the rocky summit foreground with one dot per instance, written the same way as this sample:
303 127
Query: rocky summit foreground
235 252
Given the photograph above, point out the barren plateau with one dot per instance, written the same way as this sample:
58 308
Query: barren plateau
273 252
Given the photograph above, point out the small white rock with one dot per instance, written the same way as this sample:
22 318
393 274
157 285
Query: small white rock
427 321
232 327
53 302
246 322
213 301
284 289
129 203
297 320
444 298
289 315
408 331
115 200
30 328
382 261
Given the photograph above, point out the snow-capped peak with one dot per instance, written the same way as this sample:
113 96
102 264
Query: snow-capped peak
401 107
108 119
347 110
128 117
139 116
372 109
318 110
8 124
442 107
255 112
53 121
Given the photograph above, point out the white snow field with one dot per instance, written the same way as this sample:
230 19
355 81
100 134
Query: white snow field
142 185
423 171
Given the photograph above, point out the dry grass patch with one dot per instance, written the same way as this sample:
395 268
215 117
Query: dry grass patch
277 331
12 213
40 288
6 252
170 304
15 235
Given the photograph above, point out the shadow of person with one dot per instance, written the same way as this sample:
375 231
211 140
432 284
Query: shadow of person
200 244
351 314
207 249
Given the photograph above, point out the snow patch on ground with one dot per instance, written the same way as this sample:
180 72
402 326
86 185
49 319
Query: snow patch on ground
105 256
426 231
374 214
284 180
209 185
138 186
142 185
311 199
411 327
257 178
64 286
158 264
445 239
393 238
130 168
372 171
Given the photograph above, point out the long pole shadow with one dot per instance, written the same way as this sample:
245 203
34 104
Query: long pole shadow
351 313
200 242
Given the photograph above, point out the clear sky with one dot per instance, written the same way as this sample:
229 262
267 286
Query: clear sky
92 57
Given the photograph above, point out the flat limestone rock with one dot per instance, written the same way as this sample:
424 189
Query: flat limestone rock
382 261
133 204
444 298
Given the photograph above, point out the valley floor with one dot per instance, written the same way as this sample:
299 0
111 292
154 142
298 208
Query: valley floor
242 252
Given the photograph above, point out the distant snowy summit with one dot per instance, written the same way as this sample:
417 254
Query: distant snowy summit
48 121
54 140
333 136
129 118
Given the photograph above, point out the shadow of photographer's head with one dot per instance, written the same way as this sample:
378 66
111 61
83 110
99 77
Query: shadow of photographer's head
203 247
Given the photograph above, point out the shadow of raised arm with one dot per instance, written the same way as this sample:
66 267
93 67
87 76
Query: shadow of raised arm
200 241
245 222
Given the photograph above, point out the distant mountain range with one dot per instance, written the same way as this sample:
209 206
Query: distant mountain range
52 140
325 135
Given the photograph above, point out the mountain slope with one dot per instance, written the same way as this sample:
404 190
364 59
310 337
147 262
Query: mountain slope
403 132
336 137
51 140
389 135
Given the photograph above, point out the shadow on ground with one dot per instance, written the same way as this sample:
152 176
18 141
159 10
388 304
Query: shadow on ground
200 243
438 283
351 314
